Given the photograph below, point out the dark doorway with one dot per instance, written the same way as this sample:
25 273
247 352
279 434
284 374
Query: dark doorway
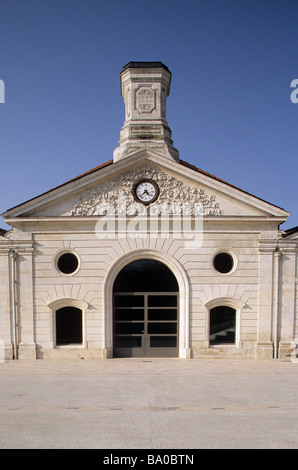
146 275
68 326
146 311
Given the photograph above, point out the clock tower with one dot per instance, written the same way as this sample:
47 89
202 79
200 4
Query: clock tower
145 87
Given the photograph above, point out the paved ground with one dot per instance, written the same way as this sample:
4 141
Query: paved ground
149 404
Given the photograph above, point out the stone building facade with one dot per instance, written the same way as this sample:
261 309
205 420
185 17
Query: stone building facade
147 255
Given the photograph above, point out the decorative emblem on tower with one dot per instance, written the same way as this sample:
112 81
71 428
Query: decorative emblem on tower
145 99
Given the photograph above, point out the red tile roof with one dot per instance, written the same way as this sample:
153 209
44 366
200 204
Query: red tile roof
66 182
192 167
103 165
110 162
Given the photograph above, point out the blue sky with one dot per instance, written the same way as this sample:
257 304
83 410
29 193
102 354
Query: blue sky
229 109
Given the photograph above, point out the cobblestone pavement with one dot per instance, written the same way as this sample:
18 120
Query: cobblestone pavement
149 404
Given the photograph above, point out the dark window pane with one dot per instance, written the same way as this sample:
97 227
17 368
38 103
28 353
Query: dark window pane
159 314
222 325
146 275
129 314
163 341
162 328
128 341
162 300
129 300
129 328
68 326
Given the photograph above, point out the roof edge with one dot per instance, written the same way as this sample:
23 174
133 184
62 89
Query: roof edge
203 172
145 65
110 162
290 231
99 167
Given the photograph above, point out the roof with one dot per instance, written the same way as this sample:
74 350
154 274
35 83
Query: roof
110 162
192 167
103 165
290 231
145 65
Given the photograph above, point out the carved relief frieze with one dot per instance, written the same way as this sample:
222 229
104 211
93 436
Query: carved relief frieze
115 197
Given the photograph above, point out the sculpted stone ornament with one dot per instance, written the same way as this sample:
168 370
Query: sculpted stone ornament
145 99
117 197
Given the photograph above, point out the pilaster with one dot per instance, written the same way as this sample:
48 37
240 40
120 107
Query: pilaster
288 294
5 322
264 346
27 348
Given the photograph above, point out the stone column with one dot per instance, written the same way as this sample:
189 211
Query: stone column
6 350
27 348
264 346
287 307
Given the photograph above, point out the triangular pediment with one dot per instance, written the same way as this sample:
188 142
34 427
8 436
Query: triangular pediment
109 189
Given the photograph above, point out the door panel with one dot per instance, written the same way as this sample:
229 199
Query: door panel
163 342
145 324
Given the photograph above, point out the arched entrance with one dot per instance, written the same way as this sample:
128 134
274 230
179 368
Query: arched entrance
145 311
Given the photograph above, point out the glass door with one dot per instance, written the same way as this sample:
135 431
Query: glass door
145 324
162 324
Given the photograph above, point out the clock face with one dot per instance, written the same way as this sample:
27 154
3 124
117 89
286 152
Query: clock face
146 191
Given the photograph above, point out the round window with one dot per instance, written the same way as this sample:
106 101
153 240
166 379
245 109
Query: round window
223 262
67 263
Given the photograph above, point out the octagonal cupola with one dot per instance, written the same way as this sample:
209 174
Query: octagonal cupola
145 87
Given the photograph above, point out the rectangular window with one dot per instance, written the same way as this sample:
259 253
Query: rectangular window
69 326
222 325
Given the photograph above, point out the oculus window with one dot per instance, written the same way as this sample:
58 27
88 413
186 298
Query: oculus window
224 262
67 263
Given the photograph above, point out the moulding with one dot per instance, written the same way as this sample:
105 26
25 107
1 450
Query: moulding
68 302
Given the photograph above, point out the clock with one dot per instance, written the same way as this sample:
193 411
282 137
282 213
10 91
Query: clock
146 191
